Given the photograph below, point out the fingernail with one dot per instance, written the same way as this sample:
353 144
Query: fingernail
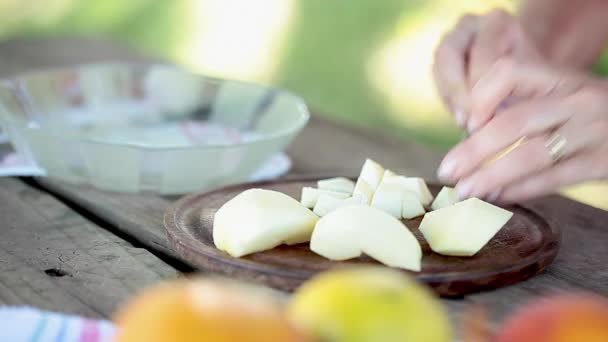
463 189
446 169
459 116
471 126
493 196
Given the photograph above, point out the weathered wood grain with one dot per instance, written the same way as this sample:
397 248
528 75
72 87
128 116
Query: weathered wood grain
139 216
53 258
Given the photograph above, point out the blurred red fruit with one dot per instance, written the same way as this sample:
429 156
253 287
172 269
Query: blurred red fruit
578 317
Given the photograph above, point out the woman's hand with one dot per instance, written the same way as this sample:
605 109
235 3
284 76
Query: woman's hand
469 50
565 116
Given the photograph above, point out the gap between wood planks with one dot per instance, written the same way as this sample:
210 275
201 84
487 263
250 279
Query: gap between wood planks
103 224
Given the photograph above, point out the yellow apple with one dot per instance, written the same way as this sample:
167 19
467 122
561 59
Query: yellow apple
368 304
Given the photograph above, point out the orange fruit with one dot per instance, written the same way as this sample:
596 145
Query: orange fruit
205 310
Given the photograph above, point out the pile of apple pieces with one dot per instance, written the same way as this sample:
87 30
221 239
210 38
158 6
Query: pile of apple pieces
399 196
350 219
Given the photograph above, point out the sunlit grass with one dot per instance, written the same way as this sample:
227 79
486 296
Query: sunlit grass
401 69
235 38
19 14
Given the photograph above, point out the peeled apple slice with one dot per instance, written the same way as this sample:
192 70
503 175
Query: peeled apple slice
350 231
411 206
310 196
415 185
363 191
388 173
464 228
338 184
447 196
389 198
257 220
327 203
372 173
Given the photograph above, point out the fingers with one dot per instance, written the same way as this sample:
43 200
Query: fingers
508 79
526 159
530 119
449 69
494 40
504 79
580 168
533 157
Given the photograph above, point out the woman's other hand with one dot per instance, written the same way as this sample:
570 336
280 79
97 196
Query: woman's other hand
469 50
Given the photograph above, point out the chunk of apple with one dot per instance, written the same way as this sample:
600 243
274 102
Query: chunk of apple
372 173
415 185
310 196
257 220
411 206
388 173
350 231
389 198
328 203
462 229
447 196
363 191
337 184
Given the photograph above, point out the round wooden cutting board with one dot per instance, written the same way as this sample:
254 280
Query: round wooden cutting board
522 248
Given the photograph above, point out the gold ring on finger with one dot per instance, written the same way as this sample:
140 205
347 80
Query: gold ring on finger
556 146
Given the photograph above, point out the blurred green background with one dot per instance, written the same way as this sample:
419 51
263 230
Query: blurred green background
361 62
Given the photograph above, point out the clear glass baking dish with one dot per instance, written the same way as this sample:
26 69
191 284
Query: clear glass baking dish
137 127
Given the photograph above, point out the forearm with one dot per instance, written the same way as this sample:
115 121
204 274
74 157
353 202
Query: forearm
570 33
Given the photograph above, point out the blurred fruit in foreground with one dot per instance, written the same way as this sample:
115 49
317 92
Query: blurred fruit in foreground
475 327
205 310
559 318
368 304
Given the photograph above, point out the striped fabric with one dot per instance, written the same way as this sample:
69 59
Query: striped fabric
24 324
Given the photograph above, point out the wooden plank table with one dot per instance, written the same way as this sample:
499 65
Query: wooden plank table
80 250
